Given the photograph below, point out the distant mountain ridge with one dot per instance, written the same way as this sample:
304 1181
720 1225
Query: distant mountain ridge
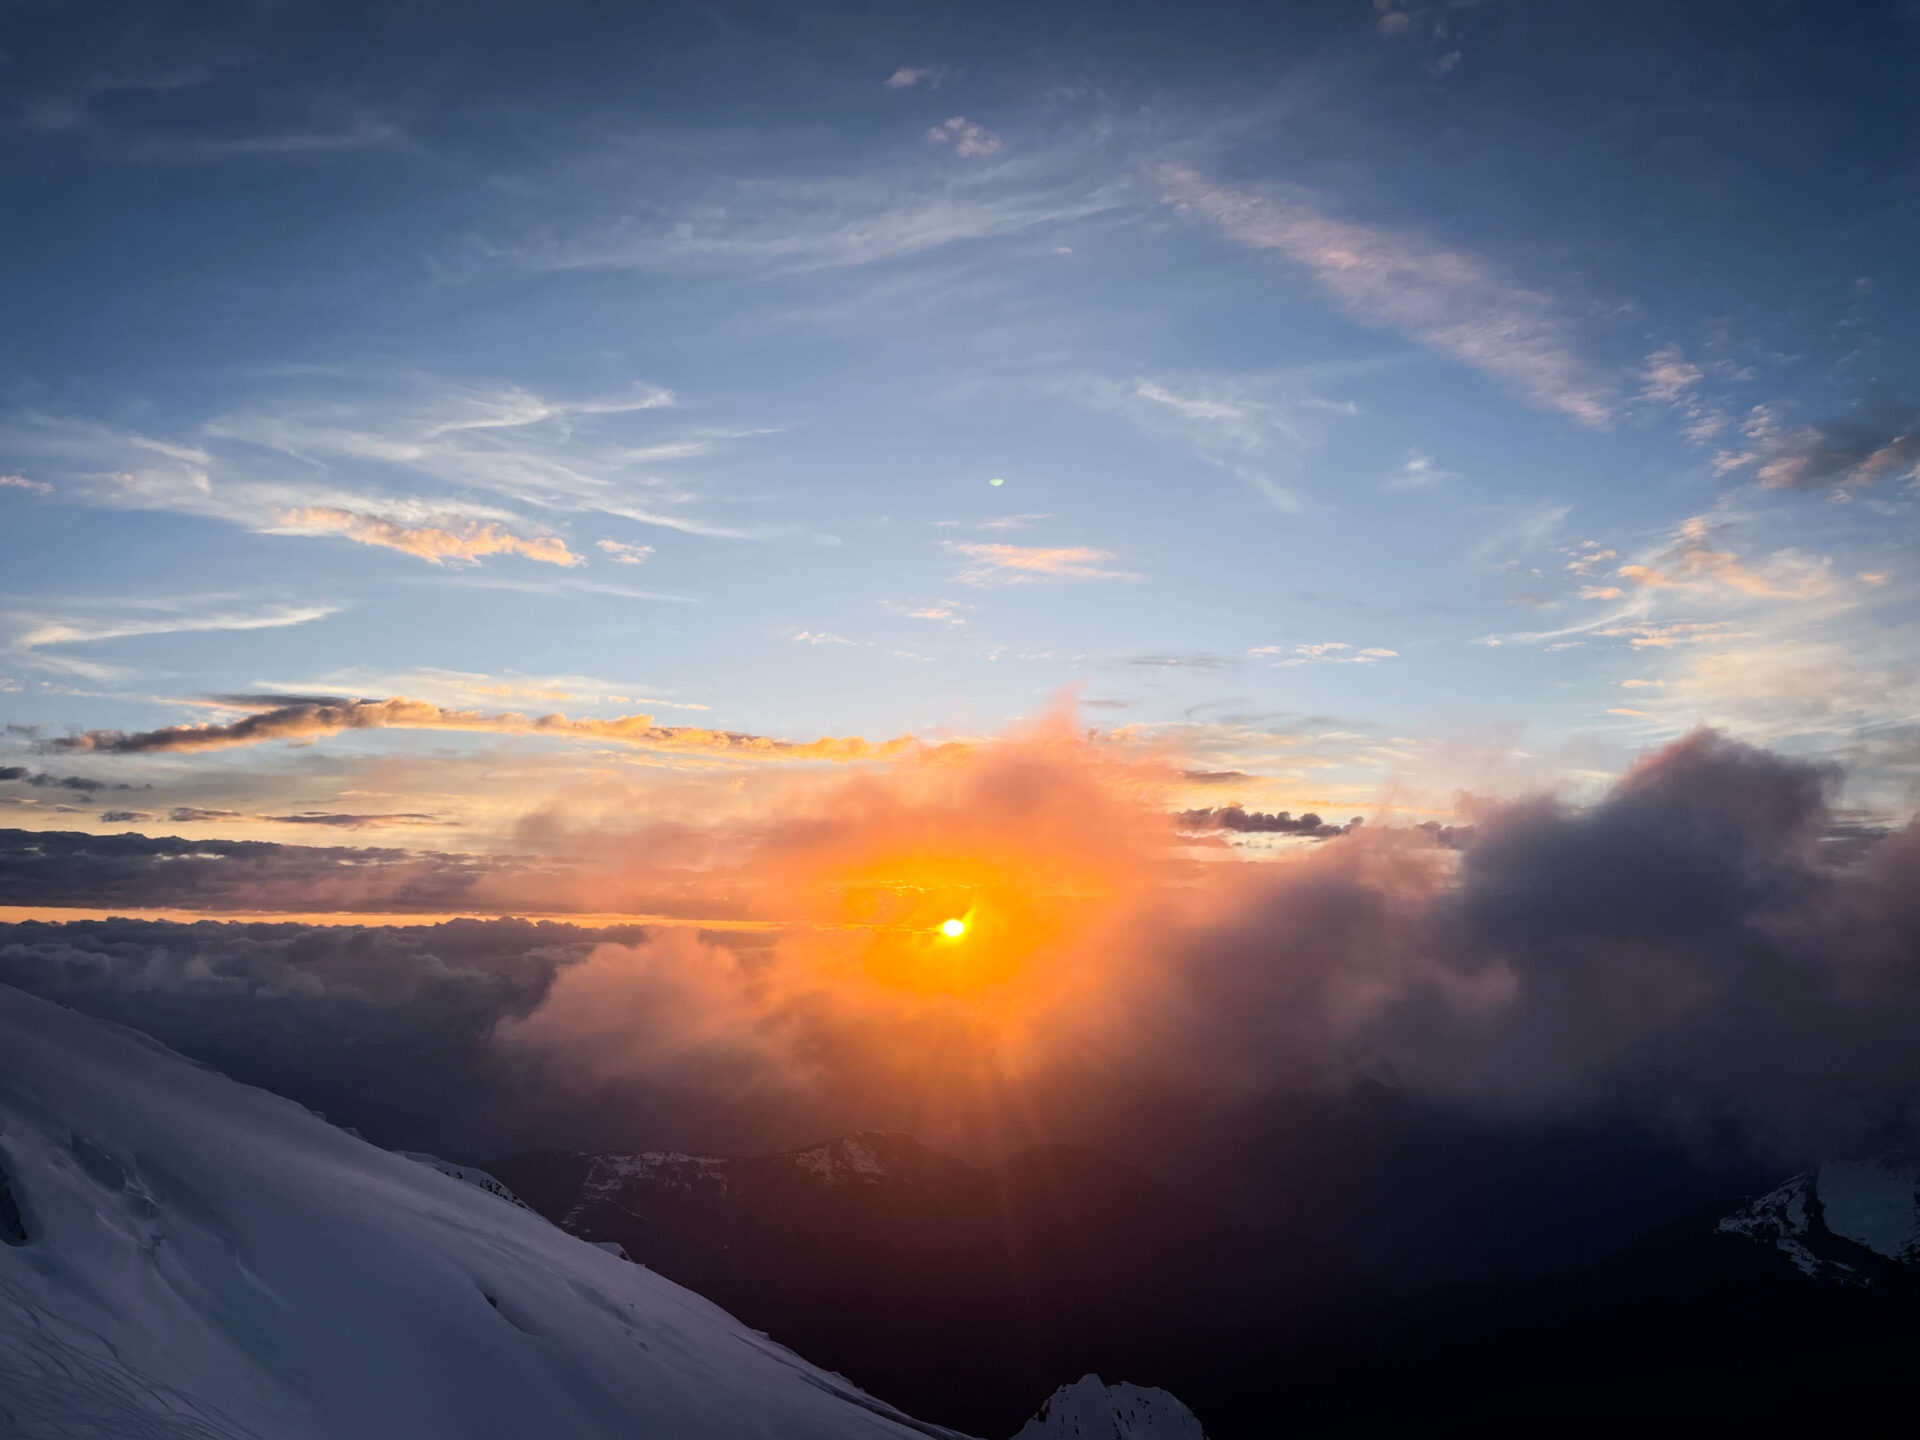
968 1291
965 1293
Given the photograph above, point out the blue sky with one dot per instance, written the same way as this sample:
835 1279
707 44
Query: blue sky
1386 399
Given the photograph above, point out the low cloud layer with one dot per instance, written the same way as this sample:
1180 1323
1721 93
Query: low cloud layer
1235 820
1704 941
139 872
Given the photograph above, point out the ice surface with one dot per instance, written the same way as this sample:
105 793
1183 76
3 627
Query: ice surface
205 1261
1090 1410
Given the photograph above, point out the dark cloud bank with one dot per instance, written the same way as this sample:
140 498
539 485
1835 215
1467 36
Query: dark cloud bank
1614 1011
40 780
146 872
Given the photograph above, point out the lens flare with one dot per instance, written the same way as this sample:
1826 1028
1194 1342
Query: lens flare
954 929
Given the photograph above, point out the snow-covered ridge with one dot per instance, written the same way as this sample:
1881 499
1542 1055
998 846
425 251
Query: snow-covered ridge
1874 1204
1089 1410
466 1175
607 1175
202 1259
865 1157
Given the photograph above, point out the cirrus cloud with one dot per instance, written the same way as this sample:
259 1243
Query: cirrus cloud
1451 301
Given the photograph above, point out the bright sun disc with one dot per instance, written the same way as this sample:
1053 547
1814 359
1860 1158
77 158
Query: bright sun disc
954 929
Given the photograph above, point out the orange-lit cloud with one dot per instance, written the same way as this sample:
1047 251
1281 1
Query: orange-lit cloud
1101 961
436 544
1542 956
1056 848
1583 563
310 719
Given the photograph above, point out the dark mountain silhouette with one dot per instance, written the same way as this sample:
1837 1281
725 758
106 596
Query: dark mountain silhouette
973 1292
967 1294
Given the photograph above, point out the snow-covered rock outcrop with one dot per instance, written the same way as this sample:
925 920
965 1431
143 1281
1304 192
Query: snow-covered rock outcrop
1874 1204
190 1257
467 1175
1090 1410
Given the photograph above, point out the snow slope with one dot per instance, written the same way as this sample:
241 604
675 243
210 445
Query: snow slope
204 1261
467 1174
1089 1410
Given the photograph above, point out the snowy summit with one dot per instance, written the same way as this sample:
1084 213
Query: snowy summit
1090 1410
1872 1204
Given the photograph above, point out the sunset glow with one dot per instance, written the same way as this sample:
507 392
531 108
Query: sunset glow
1032 691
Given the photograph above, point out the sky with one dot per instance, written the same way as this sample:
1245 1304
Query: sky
739 487
455 428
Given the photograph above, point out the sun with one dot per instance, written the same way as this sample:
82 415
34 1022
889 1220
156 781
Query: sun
954 929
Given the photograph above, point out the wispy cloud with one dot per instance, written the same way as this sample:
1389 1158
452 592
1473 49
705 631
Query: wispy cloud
1669 376
363 133
20 482
40 634
1456 303
408 465
116 620
1588 556
63 98
1692 563
969 141
200 815
947 611
1335 652
1019 564
908 76
1420 472
623 553
333 820
1255 427
787 225
458 688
